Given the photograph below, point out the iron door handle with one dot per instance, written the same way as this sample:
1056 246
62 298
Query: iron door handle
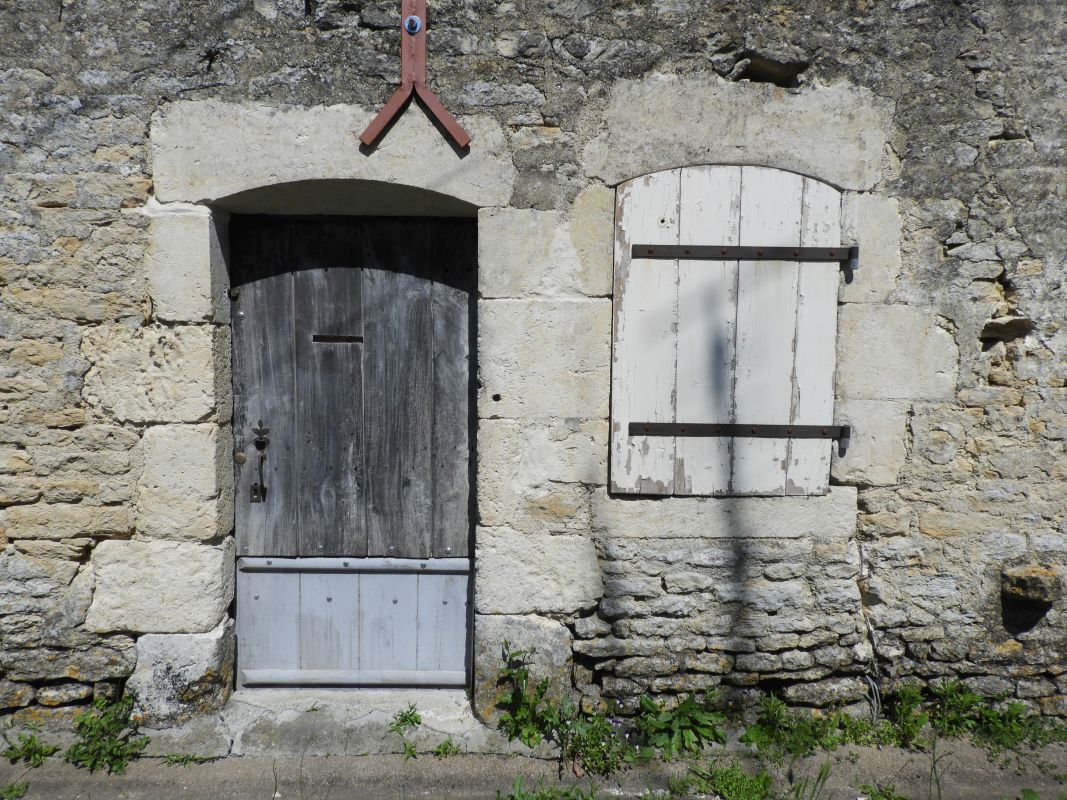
258 489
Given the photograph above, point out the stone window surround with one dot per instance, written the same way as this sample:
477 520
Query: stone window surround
211 157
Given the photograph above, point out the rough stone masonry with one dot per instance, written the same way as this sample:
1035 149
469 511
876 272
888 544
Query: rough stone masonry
128 128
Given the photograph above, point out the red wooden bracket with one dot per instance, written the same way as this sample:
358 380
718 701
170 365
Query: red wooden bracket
413 81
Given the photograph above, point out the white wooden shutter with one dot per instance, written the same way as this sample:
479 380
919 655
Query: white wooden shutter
707 341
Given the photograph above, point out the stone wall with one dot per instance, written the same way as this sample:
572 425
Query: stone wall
126 133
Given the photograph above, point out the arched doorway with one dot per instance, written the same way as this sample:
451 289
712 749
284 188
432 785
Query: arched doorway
352 377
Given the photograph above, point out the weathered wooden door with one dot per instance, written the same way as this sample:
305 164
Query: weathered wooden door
352 387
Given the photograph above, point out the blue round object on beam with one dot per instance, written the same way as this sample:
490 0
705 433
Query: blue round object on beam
412 24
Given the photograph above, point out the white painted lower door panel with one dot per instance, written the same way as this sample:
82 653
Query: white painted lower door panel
353 622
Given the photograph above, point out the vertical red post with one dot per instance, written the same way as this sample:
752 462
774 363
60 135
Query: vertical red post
413 80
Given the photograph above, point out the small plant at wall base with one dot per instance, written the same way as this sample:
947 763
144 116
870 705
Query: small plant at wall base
405 720
446 749
28 749
108 736
730 782
542 792
186 759
587 742
525 714
14 791
682 730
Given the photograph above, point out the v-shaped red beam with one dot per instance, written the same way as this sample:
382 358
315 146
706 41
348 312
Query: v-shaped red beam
413 80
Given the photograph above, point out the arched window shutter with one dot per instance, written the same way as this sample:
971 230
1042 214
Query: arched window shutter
703 341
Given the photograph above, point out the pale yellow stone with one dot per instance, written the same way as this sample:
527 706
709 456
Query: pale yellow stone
81 305
34 352
155 374
592 234
63 521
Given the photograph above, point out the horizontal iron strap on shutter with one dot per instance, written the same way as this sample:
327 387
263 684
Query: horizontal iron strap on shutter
748 431
847 256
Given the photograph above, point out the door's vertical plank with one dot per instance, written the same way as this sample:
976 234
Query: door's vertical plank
263 382
442 623
398 387
454 249
329 620
645 338
816 337
329 389
268 630
388 616
707 297
766 326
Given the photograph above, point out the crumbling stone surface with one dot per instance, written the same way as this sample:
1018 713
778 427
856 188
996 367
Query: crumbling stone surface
183 675
942 123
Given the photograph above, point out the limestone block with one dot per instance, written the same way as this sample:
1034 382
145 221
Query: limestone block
144 375
835 133
185 267
180 676
535 573
894 352
876 449
533 476
108 658
206 150
61 694
592 234
73 303
186 488
872 222
549 641
544 358
529 253
829 516
15 695
63 521
160 587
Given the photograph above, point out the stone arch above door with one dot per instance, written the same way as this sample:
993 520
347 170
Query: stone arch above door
203 151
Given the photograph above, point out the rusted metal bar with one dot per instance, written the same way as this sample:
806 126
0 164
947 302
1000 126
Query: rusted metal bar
740 430
392 108
847 256
440 113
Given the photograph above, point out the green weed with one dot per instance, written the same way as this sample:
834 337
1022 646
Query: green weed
877 791
591 742
186 759
954 708
446 749
542 792
730 782
588 742
409 750
28 749
14 791
682 730
907 714
526 715
403 720
811 788
780 731
108 736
